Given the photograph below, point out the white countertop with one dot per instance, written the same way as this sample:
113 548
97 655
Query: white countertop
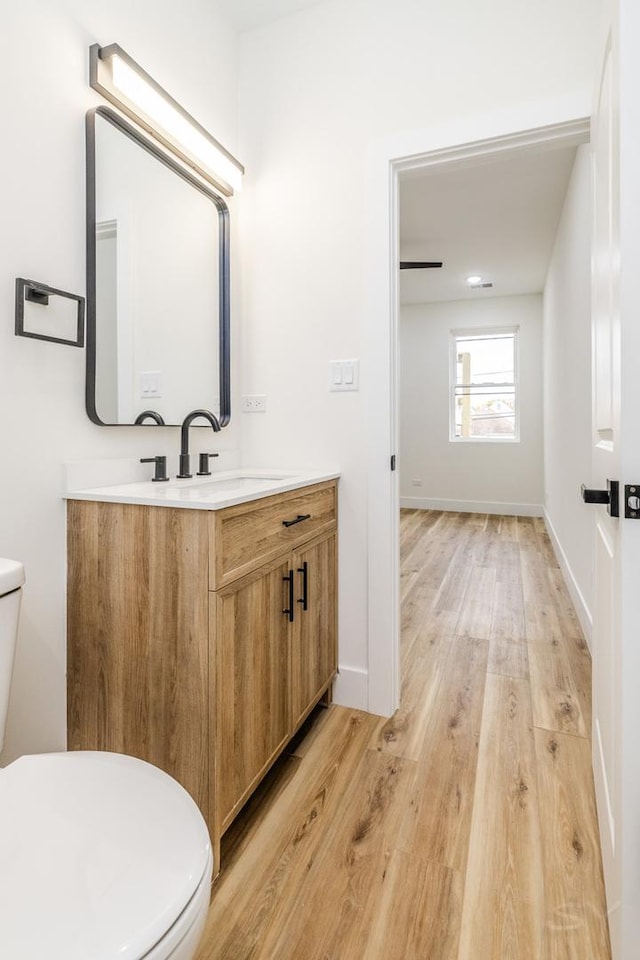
220 490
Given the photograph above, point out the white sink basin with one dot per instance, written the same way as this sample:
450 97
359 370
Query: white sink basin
214 486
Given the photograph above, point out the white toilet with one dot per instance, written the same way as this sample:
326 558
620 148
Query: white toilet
102 856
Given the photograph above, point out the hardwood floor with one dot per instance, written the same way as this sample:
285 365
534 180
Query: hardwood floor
463 828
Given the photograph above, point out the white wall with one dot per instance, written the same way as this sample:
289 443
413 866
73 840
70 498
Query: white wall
497 477
325 98
44 78
319 91
567 388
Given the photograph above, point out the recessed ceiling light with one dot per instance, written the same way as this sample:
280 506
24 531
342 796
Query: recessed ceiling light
474 281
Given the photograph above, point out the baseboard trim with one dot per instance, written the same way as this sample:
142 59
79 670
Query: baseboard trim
474 506
351 688
577 598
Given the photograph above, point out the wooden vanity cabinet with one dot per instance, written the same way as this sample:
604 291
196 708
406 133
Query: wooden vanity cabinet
180 647
249 664
312 663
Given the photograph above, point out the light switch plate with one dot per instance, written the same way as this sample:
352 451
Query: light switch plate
344 375
150 384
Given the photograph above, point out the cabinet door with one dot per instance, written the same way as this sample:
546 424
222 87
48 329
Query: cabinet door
314 634
250 634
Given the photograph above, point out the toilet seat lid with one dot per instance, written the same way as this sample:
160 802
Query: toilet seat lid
11 575
99 853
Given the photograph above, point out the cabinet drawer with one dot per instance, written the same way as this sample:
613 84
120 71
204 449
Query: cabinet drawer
243 537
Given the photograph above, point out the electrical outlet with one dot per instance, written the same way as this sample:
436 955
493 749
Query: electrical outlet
416 482
255 403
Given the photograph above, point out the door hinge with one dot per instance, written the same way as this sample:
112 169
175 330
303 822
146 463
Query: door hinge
393 461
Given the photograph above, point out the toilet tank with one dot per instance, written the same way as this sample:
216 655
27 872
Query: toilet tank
11 580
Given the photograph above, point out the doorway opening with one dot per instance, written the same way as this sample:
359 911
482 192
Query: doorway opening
466 161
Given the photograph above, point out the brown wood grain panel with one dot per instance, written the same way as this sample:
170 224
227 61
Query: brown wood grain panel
246 536
138 636
536 584
575 921
439 818
403 734
507 614
556 704
250 664
580 664
202 688
417 613
564 607
541 622
507 658
476 611
357 847
255 899
419 912
314 638
503 908
526 532
414 526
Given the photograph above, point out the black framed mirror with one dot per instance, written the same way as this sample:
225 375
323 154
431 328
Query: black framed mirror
158 283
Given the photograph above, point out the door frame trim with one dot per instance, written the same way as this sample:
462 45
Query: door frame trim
543 125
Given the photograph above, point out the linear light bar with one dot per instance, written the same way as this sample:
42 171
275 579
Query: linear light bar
124 83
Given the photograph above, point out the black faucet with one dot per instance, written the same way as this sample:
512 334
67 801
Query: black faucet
149 415
184 473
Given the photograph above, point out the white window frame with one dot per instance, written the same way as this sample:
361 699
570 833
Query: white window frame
482 331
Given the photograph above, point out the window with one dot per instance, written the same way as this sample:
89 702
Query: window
484 390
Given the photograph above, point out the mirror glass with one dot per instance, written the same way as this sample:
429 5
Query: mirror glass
158 282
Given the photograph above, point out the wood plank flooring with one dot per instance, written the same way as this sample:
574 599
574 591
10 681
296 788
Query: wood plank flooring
464 827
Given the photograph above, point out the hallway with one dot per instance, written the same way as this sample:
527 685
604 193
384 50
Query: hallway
464 827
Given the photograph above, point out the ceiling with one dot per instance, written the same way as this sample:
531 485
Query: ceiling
246 14
496 218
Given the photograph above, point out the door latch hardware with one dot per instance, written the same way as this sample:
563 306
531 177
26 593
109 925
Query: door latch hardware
632 501
610 496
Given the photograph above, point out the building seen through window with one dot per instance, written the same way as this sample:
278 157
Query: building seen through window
484 386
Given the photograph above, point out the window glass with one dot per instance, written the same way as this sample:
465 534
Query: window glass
484 386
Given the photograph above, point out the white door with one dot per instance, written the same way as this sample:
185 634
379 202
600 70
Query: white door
616 456
606 465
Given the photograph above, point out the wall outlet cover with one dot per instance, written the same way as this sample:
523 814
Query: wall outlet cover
254 403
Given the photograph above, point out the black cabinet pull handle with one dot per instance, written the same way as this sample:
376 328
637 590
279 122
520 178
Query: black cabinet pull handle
289 610
298 519
304 570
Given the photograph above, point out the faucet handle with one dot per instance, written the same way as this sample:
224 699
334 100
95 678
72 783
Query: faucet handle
203 464
161 467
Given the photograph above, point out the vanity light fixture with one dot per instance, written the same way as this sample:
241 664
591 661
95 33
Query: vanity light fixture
124 83
474 281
